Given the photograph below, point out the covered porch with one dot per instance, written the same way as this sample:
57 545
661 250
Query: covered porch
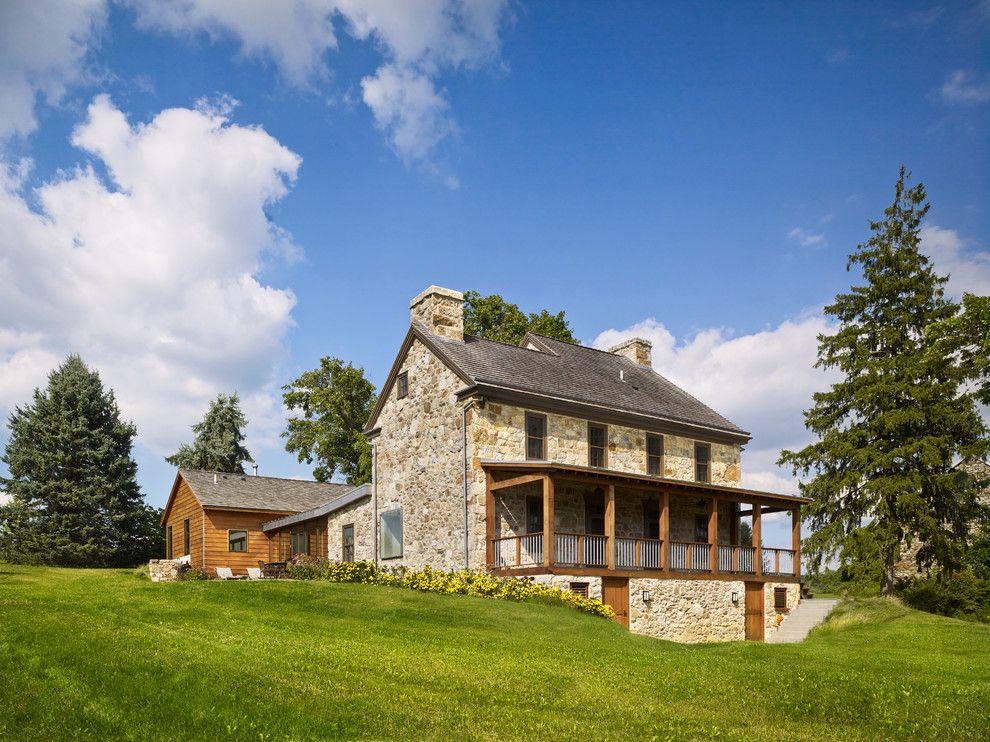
551 518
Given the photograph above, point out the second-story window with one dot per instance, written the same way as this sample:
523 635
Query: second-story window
702 462
402 385
597 445
536 436
654 455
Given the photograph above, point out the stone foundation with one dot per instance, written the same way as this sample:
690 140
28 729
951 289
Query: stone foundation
771 617
689 611
564 583
164 570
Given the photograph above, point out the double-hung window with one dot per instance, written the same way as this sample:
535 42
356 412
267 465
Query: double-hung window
702 462
536 436
597 445
347 543
654 455
185 537
402 385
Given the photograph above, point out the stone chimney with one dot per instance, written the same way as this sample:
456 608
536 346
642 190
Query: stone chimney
441 310
636 350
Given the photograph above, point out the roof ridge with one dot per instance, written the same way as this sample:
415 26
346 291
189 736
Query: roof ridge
263 476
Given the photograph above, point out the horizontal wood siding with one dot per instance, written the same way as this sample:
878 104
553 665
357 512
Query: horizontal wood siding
218 522
185 505
317 528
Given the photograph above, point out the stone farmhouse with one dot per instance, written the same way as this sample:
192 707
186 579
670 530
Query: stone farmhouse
576 466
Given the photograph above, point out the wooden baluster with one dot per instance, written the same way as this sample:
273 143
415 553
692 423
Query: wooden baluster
518 550
636 558
580 549
665 531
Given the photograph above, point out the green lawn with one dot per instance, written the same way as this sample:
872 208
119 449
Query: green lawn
106 654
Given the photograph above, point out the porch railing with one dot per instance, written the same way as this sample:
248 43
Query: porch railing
637 553
519 551
736 559
778 561
579 549
688 556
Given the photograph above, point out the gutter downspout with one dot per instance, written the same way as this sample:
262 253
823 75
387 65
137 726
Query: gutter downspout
464 410
374 498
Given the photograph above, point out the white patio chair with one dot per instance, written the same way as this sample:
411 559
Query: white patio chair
254 573
225 573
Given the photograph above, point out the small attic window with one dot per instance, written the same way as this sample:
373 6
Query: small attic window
402 385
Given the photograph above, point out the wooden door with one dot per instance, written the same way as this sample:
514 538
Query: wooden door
754 611
615 593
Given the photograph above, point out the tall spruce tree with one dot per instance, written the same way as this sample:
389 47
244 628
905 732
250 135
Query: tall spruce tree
219 441
76 501
892 428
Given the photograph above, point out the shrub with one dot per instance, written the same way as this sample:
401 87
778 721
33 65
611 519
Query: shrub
961 595
463 582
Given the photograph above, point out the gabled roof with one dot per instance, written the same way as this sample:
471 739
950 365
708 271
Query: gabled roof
358 493
246 492
568 373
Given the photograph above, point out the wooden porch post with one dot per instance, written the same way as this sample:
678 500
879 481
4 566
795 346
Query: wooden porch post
713 535
489 521
757 541
664 530
734 524
548 521
610 526
796 539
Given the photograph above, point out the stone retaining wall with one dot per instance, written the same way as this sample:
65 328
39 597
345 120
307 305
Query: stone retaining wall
164 570
689 611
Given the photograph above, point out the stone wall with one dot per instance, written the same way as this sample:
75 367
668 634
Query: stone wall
164 570
564 583
419 465
690 611
498 430
360 514
771 622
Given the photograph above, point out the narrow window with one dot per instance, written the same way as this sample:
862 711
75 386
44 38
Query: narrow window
237 540
651 519
536 436
534 514
347 542
702 459
594 512
391 530
580 589
654 455
701 529
597 444
168 543
402 388
185 537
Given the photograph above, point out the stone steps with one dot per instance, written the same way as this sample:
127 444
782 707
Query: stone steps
809 613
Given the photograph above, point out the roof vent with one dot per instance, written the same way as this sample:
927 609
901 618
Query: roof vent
255 467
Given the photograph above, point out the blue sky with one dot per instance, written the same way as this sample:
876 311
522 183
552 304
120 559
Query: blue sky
695 173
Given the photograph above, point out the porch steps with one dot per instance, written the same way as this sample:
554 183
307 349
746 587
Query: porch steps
808 614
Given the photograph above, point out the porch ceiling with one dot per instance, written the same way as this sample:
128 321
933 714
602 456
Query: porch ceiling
589 474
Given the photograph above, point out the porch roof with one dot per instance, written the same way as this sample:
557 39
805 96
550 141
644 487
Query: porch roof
643 481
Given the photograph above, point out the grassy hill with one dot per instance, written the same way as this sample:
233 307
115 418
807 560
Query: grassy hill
106 654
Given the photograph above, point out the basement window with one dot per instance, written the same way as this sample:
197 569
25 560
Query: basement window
237 540
402 385
780 599
580 589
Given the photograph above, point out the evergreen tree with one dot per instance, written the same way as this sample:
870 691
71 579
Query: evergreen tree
219 441
76 501
494 318
336 401
891 429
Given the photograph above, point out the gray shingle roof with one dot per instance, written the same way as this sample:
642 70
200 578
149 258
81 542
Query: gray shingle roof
351 496
260 493
580 374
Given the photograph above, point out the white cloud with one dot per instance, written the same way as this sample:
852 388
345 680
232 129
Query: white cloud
418 40
968 268
964 87
43 44
806 237
153 275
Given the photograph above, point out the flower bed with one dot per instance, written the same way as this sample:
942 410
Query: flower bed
464 582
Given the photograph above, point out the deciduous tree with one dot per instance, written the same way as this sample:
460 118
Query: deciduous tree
494 318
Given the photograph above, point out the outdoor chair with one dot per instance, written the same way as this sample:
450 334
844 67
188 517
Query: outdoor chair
254 573
225 573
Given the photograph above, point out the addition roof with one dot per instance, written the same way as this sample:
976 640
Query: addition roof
565 372
247 492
